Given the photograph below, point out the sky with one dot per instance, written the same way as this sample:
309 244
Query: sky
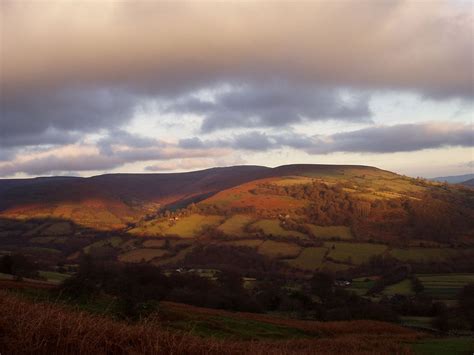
103 86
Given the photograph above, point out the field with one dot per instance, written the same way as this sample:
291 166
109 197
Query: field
401 288
361 285
341 232
138 255
273 227
235 225
354 253
274 249
43 328
52 276
446 346
154 243
444 286
189 227
423 254
251 243
309 259
113 242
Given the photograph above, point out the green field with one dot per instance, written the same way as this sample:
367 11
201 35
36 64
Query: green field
309 259
444 286
445 346
235 225
334 267
112 242
354 253
252 243
361 285
154 243
423 255
174 259
341 232
60 228
274 249
138 255
402 288
191 226
273 227
53 276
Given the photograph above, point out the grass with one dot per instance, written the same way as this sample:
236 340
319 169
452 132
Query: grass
174 259
235 225
52 276
275 249
60 228
46 328
354 253
341 232
444 286
113 242
309 259
361 285
191 226
138 255
273 227
154 243
251 243
423 255
419 322
445 346
402 288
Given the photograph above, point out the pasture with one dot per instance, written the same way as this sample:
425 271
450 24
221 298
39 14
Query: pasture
139 255
275 249
354 253
423 255
444 286
112 242
309 259
191 226
324 232
272 227
401 288
235 225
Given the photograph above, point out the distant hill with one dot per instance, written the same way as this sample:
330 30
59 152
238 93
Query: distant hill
455 179
469 183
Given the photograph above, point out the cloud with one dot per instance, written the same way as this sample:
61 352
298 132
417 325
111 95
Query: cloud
396 138
272 105
376 139
165 47
60 117
75 158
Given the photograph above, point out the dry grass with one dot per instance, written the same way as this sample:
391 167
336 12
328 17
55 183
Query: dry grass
40 328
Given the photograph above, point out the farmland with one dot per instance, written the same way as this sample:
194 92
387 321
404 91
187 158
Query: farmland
272 227
444 286
309 259
138 255
353 253
235 225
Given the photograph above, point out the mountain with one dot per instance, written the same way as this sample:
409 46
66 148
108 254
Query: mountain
455 179
307 217
469 183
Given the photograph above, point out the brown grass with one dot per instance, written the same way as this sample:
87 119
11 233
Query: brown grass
42 328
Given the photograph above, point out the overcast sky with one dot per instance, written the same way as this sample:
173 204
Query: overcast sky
95 86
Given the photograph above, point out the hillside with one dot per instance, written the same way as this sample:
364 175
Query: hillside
469 183
304 217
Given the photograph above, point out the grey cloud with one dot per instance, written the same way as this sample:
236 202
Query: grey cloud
397 138
377 139
60 117
273 105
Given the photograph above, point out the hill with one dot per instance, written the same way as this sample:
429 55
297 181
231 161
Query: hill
293 217
469 183
453 179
